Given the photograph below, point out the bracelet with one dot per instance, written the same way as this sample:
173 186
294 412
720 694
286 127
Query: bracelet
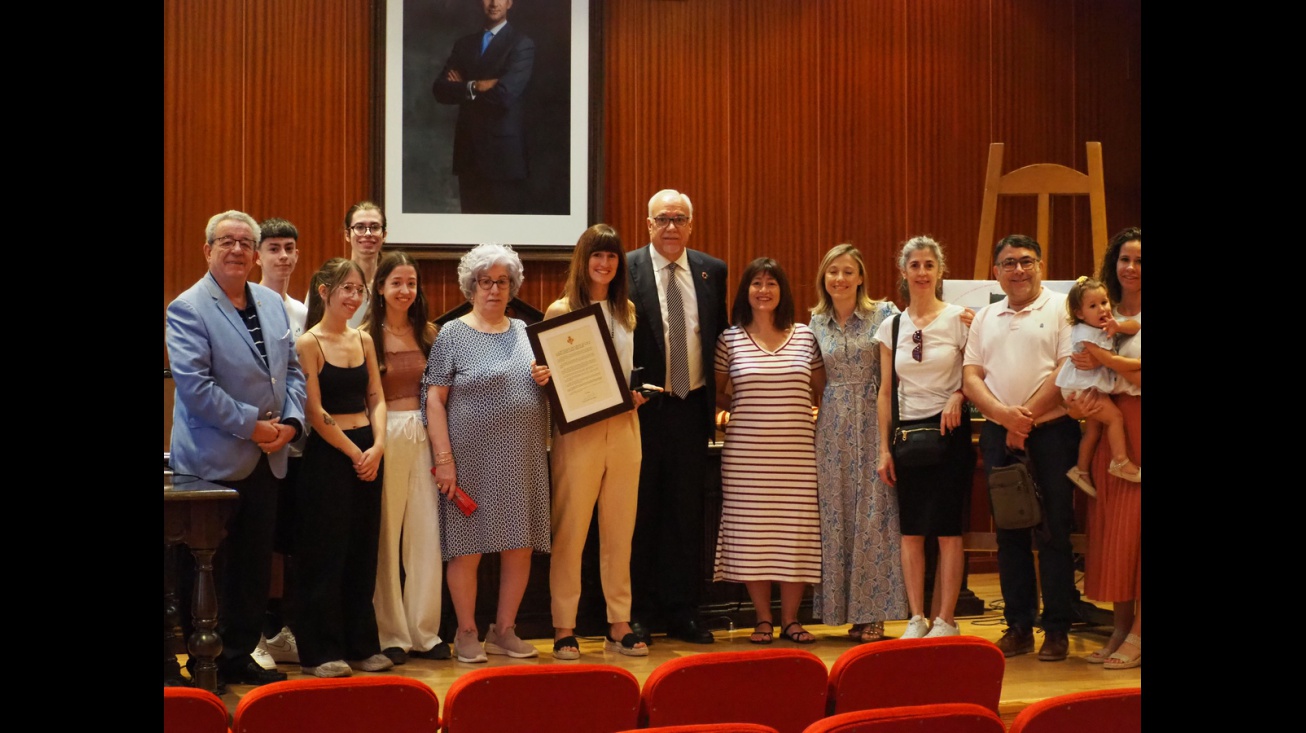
444 461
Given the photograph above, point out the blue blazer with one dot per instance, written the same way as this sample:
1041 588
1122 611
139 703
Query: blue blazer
223 385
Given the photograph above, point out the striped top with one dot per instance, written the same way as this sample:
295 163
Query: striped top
770 521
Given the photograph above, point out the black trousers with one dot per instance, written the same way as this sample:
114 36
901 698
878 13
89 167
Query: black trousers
1052 448
667 571
242 565
338 527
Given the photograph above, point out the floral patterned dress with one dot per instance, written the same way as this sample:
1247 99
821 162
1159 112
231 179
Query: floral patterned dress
861 568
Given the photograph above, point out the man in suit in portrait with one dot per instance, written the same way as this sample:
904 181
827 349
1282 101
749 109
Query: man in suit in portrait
486 75
680 309
239 403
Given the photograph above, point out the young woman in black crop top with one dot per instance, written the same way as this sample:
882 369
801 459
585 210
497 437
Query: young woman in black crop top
339 489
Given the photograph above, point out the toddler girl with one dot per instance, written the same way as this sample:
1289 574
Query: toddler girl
1094 330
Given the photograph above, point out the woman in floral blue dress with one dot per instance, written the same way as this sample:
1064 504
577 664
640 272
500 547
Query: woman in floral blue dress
861 571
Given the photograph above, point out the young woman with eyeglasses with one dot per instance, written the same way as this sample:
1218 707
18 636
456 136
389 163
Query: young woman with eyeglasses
365 232
931 499
338 495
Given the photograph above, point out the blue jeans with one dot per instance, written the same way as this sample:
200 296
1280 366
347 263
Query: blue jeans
1052 449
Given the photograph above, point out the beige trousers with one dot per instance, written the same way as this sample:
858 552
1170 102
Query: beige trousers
595 465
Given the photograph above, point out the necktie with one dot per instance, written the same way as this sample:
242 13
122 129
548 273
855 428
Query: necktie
676 336
485 41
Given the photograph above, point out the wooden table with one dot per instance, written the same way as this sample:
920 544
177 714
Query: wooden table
195 513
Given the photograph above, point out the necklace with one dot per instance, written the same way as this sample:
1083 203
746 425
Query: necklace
395 333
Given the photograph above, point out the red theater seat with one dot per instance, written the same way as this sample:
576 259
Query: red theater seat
543 698
899 672
954 717
782 688
1093 711
707 728
340 705
192 710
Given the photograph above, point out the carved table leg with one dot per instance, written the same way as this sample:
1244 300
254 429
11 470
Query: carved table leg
205 644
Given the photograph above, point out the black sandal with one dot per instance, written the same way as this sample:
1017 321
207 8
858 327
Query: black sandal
626 646
757 630
566 648
797 636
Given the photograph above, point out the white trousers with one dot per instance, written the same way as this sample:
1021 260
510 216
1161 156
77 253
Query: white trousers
408 617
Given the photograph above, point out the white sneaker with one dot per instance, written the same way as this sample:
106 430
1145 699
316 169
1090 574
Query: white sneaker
917 627
261 656
374 663
942 628
283 647
338 668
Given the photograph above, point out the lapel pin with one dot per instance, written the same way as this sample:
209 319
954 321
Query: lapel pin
704 274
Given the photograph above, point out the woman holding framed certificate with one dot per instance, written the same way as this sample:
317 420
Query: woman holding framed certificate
597 465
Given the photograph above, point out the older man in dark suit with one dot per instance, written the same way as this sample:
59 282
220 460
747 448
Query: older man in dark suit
680 309
239 403
486 75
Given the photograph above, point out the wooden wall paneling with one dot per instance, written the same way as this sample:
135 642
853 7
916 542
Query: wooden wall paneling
1034 114
685 121
947 47
627 68
862 76
773 154
1108 84
310 100
203 110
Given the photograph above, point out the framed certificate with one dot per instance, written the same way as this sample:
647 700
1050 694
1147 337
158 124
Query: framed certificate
587 384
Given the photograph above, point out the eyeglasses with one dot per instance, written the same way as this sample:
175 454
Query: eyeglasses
918 338
663 221
352 289
361 229
228 242
486 283
1025 263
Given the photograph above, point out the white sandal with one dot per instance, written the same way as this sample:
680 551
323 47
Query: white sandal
1120 661
1082 480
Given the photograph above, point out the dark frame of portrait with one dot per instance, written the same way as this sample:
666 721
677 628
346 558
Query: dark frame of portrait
562 130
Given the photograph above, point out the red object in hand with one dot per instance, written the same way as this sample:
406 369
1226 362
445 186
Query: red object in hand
465 503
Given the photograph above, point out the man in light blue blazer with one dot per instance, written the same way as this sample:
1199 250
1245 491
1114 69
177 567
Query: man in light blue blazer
239 402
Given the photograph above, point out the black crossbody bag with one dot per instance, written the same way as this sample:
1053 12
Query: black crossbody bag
915 443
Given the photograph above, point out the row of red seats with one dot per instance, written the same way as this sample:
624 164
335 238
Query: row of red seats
887 686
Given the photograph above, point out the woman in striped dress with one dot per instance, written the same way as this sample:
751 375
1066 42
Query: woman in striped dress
769 374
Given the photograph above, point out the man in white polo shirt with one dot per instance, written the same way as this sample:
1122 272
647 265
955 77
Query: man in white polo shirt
1015 349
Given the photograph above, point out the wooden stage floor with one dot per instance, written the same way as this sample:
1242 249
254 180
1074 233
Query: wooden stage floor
1027 680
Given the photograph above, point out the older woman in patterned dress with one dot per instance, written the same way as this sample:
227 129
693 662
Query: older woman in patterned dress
861 573
480 379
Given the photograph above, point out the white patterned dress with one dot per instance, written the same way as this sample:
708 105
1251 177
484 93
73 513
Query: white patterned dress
861 578
770 525
497 426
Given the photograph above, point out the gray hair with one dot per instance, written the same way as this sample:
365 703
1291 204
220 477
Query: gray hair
481 258
667 193
912 245
211 231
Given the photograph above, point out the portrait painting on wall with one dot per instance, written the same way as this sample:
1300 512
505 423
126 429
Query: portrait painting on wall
487 106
